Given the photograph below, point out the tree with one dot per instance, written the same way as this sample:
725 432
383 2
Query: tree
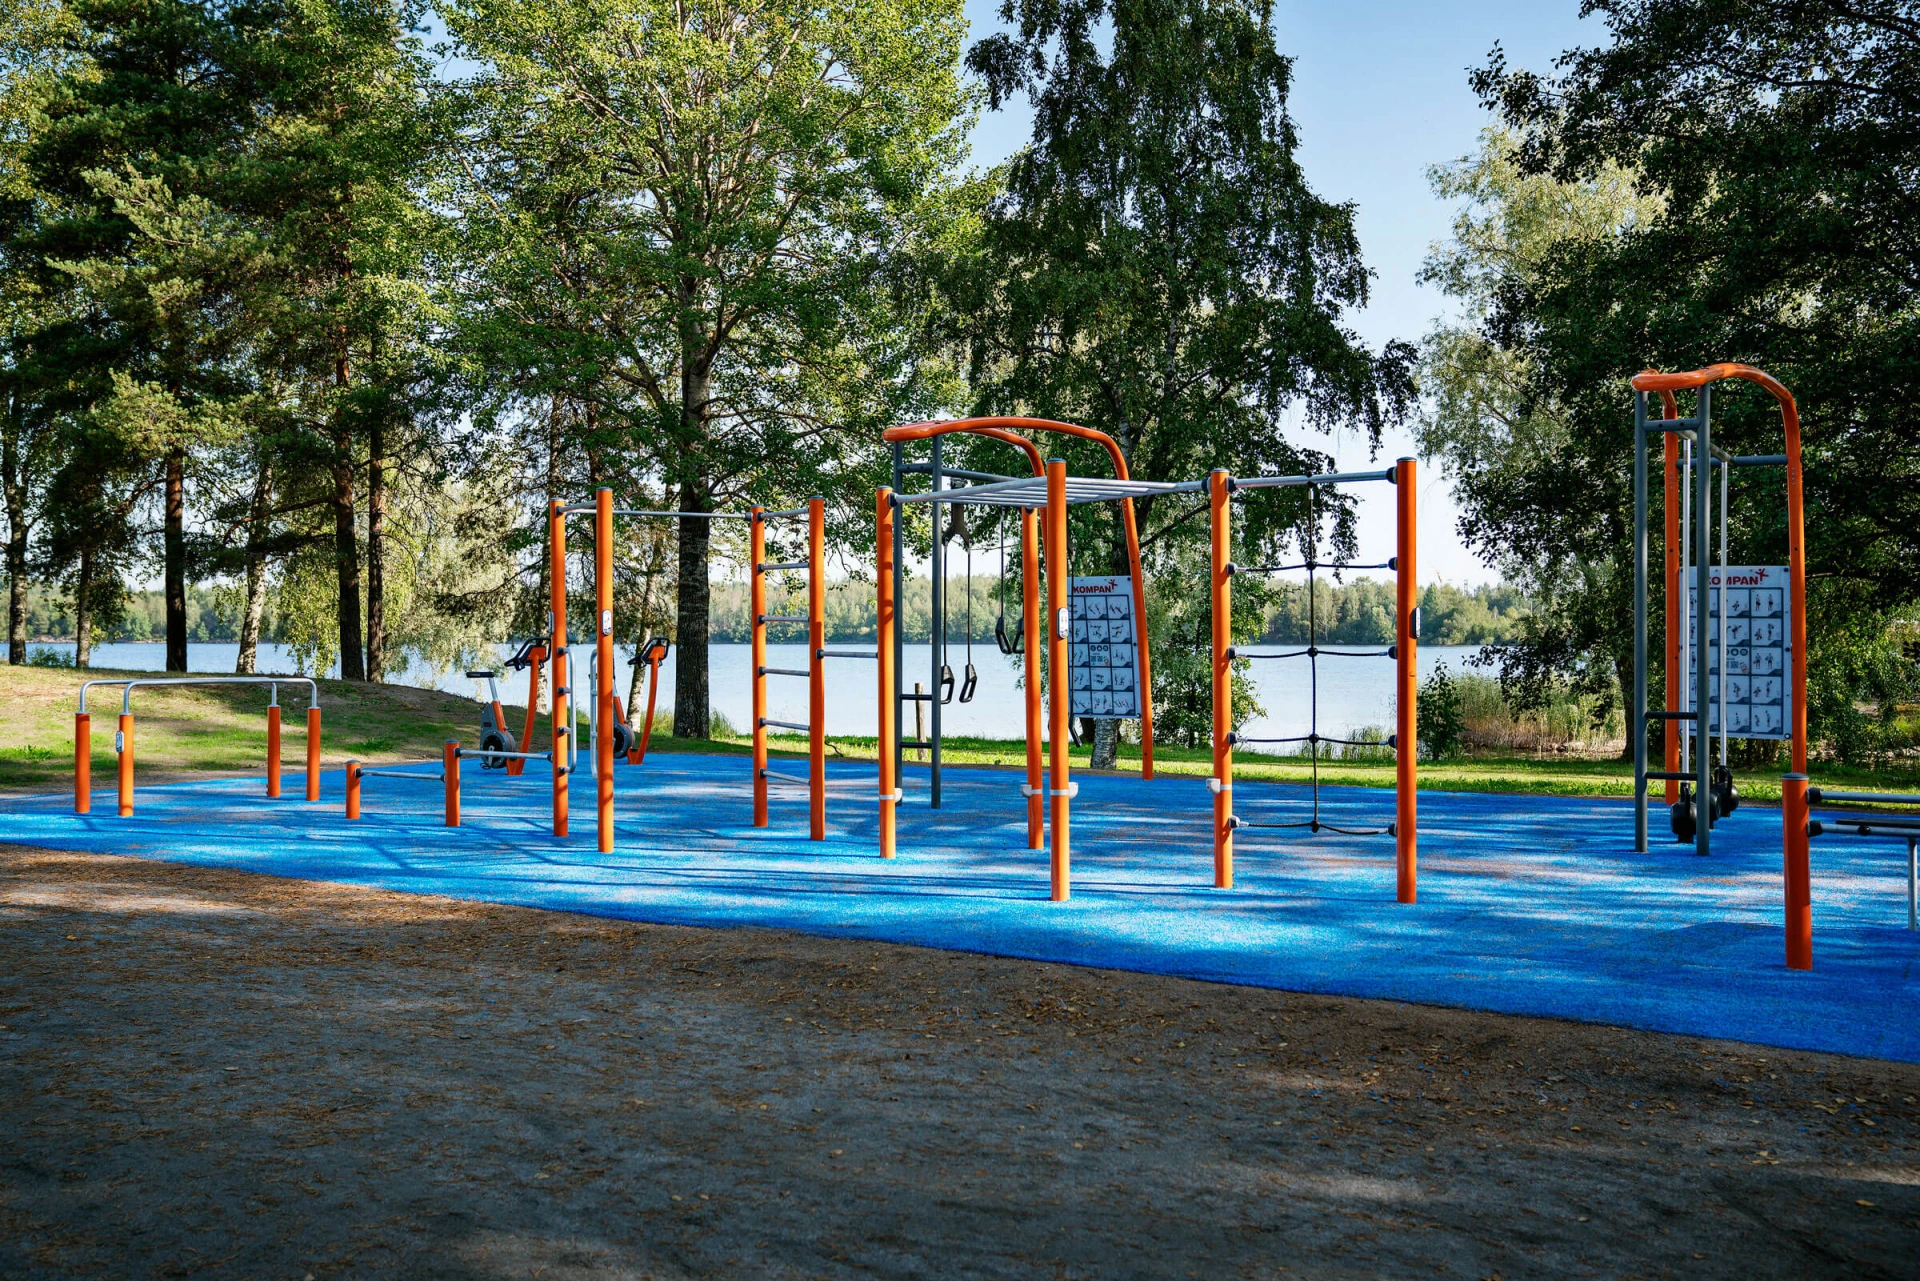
1776 140
1157 265
696 215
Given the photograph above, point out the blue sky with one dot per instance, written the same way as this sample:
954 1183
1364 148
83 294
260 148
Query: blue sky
1380 93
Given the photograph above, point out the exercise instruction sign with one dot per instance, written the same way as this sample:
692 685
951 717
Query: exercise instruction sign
1103 652
1759 651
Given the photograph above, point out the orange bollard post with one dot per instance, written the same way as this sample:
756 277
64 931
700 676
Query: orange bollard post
313 753
1406 826
123 745
757 656
273 751
888 734
1674 635
82 764
1797 872
353 790
450 777
1030 623
603 719
1221 578
816 669
557 650
1058 682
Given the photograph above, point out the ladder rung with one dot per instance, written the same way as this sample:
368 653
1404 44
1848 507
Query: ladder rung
785 618
767 565
784 671
804 729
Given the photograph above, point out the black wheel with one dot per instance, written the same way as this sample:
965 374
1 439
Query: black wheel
495 740
622 739
1726 797
1681 818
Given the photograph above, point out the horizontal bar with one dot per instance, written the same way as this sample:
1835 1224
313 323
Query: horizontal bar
914 742
634 511
773 724
1323 478
128 684
764 566
394 773
1305 564
1678 426
1760 460
803 780
1031 492
1858 822
844 653
1315 651
926 469
785 671
1236 740
1820 795
792 513
1671 776
509 756
785 618
913 698
1671 716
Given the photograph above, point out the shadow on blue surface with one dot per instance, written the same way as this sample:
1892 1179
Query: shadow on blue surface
1528 905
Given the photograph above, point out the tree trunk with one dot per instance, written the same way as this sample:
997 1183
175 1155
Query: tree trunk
692 606
176 558
377 550
346 559
83 612
15 487
248 661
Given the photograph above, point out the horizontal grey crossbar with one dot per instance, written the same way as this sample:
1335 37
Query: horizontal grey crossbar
1306 564
1032 491
785 618
801 779
1671 776
394 773
634 511
1315 651
773 724
1671 716
961 473
1820 795
784 671
792 513
1323 478
514 756
769 565
845 653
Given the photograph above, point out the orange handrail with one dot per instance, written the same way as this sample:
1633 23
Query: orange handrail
1799 898
1003 427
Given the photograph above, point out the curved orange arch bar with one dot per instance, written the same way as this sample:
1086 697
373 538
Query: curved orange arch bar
1003 427
1794 789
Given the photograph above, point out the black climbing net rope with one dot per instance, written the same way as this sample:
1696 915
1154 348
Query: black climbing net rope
1313 653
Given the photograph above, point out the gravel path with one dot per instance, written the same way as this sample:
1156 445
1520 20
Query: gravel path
209 1073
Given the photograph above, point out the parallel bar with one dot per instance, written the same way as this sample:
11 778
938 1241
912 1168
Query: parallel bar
846 653
770 722
1307 564
801 780
633 511
783 671
1677 775
784 618
394 773
1858 822
1323 653
794 513
781 564
1760 460
1820 795
926 469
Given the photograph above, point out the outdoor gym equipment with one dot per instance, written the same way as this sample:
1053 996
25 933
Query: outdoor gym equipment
123 737
448 777
1221 488
979 490
815 621
1698 783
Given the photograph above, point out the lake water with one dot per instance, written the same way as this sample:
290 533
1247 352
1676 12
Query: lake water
1354 692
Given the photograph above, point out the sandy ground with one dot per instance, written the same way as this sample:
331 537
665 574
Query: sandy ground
208 1073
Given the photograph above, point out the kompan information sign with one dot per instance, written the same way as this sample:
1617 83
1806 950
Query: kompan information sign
1759 652
1103 652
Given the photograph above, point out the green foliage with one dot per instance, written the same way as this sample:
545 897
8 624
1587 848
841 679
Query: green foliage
1441 715
50 658
1180 622
1862 681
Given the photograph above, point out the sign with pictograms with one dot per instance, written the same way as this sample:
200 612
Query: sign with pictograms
1757 655
1103 651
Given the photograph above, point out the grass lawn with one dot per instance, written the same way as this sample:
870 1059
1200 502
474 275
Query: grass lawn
222 729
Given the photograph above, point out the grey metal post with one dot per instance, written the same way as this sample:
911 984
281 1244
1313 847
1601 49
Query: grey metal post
939 624
1637 716
900 612
1702 629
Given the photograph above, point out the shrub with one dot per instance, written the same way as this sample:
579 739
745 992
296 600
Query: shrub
44 657
1442 715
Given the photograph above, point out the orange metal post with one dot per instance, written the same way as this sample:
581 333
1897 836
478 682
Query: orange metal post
82 764
353 789
884 618
450 777
816 668
1030 622
273 751
313 753
1221 580
125 749
603 719
1406 826
536 659
557 650
639 752
757 656
1674 633
1059 682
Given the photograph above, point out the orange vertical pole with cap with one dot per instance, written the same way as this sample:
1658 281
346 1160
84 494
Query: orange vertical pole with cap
1030 624
884 626
816 669
1220 581
1674 638
1797 869
603 719
313 753
757 656
125 748
450 780
1406 780
557 650
1059 681
353 789
273 748
82 764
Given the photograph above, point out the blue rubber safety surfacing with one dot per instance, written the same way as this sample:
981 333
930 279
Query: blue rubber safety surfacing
1528 905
